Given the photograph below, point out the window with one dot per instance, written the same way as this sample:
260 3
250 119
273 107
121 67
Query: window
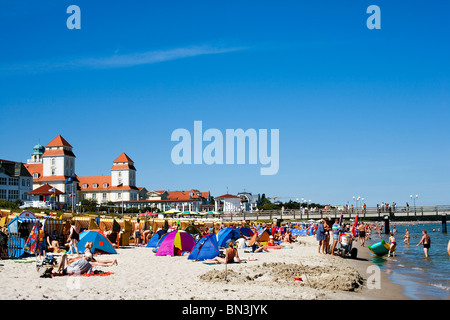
119 195
95 185
104 197
105 185
94 196
4 181
53 171
35 175
2 194
28 182
13 195
13 181
53 161
84 185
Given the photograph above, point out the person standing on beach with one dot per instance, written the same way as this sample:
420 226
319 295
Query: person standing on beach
320 236
137 232
335 229
362 233
406 237
426 242
74 237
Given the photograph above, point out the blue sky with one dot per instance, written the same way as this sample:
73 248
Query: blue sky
360 112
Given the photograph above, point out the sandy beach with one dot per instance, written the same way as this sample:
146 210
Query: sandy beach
142 275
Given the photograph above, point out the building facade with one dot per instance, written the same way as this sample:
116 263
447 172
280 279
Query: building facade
118 187
15 181
54 165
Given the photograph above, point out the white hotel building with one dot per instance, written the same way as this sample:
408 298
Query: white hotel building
55 163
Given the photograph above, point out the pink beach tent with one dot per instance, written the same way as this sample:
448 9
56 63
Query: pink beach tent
179 239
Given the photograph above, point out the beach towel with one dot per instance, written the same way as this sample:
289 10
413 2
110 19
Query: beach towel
32 245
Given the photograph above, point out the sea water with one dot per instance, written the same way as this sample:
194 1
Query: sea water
422 278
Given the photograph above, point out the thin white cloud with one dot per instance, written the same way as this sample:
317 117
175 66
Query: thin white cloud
116 60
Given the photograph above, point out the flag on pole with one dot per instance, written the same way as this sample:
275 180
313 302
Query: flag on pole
120 185
69 180
52 190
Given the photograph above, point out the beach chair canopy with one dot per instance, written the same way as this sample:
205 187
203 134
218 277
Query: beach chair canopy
99 242
206 248
192 230
226 234
179 240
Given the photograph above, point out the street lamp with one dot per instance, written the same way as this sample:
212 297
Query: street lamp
414 198
358 199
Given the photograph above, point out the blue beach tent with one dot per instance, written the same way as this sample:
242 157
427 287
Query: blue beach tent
156 239
226 234
100 243
246 231
206 248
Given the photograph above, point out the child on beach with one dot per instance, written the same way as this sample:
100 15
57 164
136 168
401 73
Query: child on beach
392 244
90 258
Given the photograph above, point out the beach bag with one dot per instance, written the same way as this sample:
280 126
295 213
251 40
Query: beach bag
47 273
49 260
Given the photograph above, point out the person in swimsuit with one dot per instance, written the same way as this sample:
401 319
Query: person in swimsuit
362 234
406 237
392 244
426 242
74 236
137 232
231 255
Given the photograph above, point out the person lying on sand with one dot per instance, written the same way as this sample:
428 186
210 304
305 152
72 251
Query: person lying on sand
77 266
231 255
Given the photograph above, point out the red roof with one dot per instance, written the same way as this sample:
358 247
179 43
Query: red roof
45 190
123 158
58 142
100 180
227 196
123 167
60 152
34 168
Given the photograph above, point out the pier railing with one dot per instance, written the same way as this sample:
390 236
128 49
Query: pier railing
372 213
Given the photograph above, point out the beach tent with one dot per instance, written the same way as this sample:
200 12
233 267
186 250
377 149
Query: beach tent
192 230
246 231
156 239
264 237
177 240
206 248
226 234
99 242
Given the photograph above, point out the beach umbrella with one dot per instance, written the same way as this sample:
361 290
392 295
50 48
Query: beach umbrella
191 213
213 212
172 211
